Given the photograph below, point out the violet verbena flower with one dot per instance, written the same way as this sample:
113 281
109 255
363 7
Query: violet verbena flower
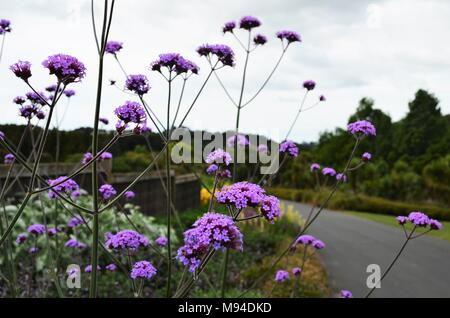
366 156
281 276
270 208
161 241
327 171
212 169
36 98
296 271
111 267
362 128
435 224
67 186
174 62
51 88
126 239
289 36
73 243
69 93
309 85
8 159
36 229
75 194
315 167
212 230
19 100
138 84
322 98
224 174
242 141
52 231
29 111
219 156
75 221
65 67
222 52
143 269
249 22
341 177
130 112
106 156
87 157
310 240
346 294
241 195
22 237
107 191
113 47
104 120
22 69
260 39
33 250
229 27
289 147
129 195
401 219
88 268
5 26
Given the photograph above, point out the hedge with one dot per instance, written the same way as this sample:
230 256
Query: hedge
361 203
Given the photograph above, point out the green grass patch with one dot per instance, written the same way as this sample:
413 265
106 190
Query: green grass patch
390 220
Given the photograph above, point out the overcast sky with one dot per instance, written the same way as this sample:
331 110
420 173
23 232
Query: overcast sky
381 49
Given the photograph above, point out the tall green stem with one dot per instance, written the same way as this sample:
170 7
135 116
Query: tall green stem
169 193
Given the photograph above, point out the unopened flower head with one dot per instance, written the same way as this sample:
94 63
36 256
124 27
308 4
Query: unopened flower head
309 85
113 47
143 269
138 84
322 98
281 276
5 26
211 230
126 240
289 36
104 120
249 22
289 147
362 128
65 67
219 156
260 39
107 191
19 100
22 69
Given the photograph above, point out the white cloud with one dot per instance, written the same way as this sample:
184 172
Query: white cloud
382 49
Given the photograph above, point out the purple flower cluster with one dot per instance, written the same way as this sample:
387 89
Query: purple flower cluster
270 208
36 229
130 112
21 69
88 268
219 156
322 98
66 68
211 230
111 267
126 239
290 147
315 167
366 156
69 93
260 39
327 171
106 156
281 276
309 85
296 271
128 195
420 219
5 26
35 98
174 62
242 141
249 22
161 241
346 294
21 238
241 195
223 52
289 36
107 191
143 269
113 47
30 111
19 100
104 120
362 127
8 159
310 240
75 221
229 26
68 186
73 243
138 84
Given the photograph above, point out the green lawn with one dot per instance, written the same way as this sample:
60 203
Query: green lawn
390 220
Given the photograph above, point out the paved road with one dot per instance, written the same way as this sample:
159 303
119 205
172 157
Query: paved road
423 270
